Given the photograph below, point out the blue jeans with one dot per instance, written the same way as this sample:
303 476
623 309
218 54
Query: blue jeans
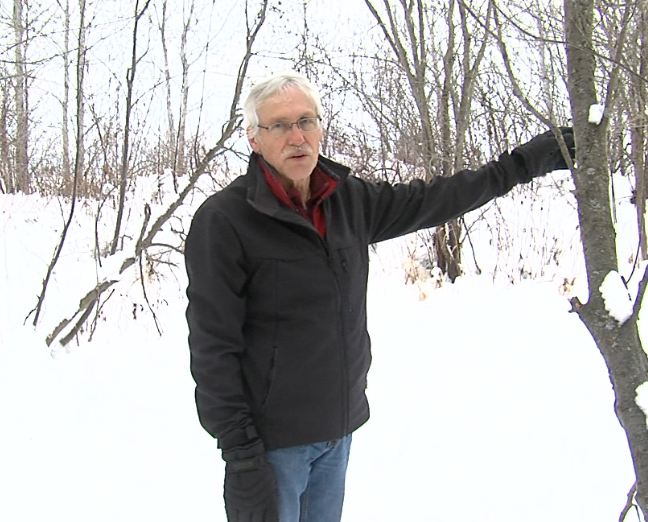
310 480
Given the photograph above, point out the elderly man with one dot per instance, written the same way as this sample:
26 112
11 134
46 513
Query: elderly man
277 265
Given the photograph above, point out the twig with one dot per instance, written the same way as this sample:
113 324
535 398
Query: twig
643 284
472 247
554 41
147 218
166 245
96 319
155 319
517 91
629 503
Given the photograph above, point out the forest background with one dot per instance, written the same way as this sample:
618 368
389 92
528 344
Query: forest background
97 96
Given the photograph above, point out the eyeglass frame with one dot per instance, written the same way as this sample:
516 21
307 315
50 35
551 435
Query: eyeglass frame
286 132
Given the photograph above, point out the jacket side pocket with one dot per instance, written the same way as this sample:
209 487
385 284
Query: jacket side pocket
269 381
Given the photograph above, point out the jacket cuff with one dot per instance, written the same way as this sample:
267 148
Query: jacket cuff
247 456
238 437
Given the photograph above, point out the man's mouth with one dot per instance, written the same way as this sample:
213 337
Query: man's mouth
298 153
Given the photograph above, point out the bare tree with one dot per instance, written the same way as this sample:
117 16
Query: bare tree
6 164
21 176
636 79
441 76
130 83
176 137
162 26
619 343
65 102
69 327
80 150
594 42
179 156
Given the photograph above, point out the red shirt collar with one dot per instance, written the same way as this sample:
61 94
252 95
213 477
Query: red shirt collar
321 186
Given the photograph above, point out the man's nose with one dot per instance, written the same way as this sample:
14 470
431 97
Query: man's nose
296 136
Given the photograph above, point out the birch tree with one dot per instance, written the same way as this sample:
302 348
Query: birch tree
21 176
65 101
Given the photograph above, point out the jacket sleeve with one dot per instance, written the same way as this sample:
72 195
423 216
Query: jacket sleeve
215 316
394 210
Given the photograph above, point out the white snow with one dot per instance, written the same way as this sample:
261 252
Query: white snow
642 398
596 112
615 295
489 402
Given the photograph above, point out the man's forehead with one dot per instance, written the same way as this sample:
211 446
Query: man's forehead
290 101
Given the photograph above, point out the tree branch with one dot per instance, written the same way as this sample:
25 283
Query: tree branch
629 503
643 284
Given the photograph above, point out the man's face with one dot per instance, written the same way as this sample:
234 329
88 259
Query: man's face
294 156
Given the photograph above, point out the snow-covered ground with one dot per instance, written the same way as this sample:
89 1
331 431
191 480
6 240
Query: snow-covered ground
490 402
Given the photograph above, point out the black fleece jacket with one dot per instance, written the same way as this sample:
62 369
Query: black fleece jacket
277 314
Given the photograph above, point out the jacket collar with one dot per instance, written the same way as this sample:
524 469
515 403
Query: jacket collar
259 194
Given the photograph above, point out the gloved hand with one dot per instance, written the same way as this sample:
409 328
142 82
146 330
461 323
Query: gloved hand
542 154
250 488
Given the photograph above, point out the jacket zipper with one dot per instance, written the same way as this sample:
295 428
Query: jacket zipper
345 272
343 357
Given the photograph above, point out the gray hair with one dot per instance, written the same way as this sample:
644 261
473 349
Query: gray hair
272 85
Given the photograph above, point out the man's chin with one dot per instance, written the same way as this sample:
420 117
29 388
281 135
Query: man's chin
299 171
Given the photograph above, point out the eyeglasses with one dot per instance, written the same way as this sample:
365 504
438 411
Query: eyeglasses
283 128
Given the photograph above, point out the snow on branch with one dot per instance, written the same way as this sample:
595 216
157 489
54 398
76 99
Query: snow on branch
616 297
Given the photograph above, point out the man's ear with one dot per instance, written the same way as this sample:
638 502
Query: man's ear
253 138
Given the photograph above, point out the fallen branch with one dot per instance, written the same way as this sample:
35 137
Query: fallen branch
85 307
95 321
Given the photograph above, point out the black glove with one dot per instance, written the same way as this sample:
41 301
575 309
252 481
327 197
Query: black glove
250 488
542 154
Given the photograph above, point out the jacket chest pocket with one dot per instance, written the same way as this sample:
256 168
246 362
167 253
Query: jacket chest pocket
351 267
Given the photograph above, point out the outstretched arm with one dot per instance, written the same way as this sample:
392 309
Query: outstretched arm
395 210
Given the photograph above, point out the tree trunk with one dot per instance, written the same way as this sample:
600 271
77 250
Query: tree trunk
619 344
639 89
171 132
447 238
65 142
123 170
6 176
180 163
21 176
446 241
80 151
